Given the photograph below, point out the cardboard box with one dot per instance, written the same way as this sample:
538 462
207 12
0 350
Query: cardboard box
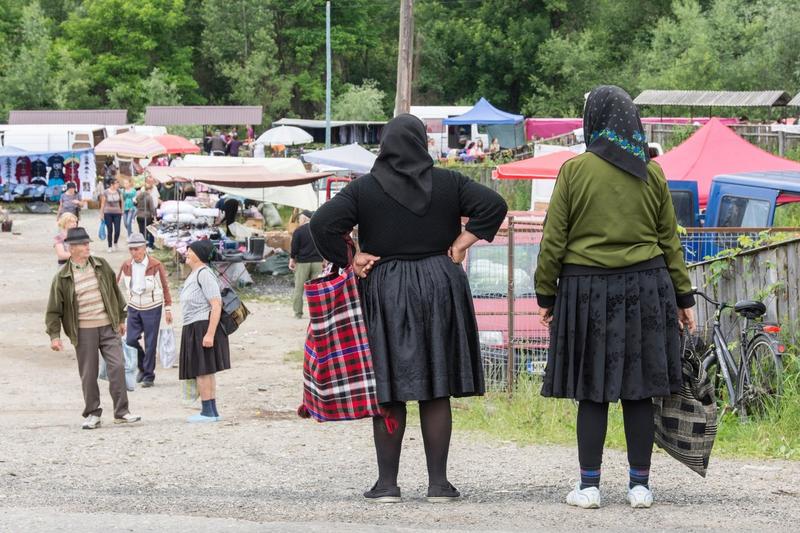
279 239
257 223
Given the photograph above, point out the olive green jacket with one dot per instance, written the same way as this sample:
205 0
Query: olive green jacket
601 216
62 307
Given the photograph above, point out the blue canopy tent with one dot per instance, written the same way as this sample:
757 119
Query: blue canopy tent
485 114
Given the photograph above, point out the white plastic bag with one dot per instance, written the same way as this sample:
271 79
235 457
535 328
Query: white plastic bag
166 347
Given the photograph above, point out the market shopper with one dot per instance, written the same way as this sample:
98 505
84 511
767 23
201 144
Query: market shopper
304 261
86 302
146 204
416 298
145 285
112 208
129 207
613 286
66 222
70 201
204 345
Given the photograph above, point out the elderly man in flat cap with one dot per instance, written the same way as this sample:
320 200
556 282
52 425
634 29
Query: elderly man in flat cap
144 282
304 261
86 302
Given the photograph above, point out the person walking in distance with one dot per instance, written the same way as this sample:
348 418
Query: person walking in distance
415 294
86 302
304 261
204 344
612 284
146 287
146 203
112 207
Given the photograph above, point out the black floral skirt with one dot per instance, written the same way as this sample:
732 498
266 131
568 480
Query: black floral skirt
614 334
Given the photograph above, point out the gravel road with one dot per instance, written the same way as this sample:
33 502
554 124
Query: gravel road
263 469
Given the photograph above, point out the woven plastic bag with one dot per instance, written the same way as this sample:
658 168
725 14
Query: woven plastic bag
167 352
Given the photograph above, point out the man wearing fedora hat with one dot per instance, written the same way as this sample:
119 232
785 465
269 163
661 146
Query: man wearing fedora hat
304 260
86 302
145 284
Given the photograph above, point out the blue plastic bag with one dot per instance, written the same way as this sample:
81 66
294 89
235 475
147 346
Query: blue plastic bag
131 366
101 233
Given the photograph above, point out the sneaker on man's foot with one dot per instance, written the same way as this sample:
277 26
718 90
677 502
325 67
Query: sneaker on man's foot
91 422
388 495
640 497
146 384
442 494
588 498
127 419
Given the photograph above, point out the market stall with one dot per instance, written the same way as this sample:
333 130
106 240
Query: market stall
42 175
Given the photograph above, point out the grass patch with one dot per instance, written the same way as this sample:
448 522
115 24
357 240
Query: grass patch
529 418
294 356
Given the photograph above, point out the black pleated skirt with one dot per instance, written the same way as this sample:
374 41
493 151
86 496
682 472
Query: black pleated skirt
422 330
614 335
196 360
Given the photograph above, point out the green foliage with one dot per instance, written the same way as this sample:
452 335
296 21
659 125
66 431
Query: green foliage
360 102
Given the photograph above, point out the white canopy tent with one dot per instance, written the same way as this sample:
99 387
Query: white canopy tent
353 157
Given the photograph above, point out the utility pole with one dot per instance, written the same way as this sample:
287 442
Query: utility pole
405 58
328 74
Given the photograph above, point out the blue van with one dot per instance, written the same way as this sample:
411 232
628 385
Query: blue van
750 199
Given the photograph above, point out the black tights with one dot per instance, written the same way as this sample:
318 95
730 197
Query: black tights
437 424
639 431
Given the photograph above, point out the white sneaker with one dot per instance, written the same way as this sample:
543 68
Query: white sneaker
91 422
640 497
127 419
110 249
588 498
116 247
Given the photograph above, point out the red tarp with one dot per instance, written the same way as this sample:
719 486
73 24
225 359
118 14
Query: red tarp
715 149
535 168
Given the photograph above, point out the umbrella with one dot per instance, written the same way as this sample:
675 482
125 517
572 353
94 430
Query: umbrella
131 145
12 151
285 135
175 144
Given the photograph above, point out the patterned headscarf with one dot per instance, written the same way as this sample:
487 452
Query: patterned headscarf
613 130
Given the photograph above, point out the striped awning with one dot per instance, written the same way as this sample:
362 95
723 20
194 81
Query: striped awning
131 145
713 98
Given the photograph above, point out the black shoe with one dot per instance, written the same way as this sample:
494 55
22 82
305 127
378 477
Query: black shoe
443 494
140 377
146 384
390 495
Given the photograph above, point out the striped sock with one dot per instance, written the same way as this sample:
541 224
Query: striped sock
639 476
590 477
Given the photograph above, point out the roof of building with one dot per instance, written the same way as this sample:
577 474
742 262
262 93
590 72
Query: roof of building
795 101
110 117
308 123
713 98
198 115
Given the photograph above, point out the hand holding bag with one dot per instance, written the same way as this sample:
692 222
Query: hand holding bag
686 422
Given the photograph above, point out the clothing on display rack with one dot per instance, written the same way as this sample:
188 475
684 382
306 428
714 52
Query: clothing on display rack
23 171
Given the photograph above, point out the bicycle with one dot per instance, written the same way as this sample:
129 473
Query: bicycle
755 383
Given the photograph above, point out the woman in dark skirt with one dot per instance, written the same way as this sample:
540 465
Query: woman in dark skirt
204 345
612 283
416 298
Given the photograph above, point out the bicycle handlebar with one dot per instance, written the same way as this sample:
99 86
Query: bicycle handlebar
713 302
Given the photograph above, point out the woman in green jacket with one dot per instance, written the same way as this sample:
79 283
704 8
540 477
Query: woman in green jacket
612 284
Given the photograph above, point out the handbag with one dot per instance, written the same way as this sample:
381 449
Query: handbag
686 422
338 377
234 312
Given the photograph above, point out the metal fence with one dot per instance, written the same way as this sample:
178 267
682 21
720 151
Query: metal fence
513 341
701 244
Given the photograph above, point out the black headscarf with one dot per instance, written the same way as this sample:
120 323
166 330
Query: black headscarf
613 130
203 249
403 167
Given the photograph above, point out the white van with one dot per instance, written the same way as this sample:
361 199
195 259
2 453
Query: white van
44 138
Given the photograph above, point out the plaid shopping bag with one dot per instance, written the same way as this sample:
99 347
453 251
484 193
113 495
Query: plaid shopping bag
338 379
686 422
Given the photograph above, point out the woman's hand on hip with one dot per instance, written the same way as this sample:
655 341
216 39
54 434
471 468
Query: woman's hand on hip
456 254
363 263
686 320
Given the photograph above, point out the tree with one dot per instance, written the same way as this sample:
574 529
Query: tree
360 102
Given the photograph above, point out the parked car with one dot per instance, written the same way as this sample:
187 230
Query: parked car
486 266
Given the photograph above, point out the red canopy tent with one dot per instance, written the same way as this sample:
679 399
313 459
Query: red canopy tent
715 149
535 168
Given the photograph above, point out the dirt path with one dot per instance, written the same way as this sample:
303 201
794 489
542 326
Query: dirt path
265 470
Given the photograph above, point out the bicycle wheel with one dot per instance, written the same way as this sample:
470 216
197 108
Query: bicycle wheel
761 378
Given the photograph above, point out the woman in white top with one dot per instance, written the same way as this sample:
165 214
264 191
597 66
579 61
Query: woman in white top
204 345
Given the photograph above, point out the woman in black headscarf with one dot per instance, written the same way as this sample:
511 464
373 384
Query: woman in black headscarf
415 294
612 283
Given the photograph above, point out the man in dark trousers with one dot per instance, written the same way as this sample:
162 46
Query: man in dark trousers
305 261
